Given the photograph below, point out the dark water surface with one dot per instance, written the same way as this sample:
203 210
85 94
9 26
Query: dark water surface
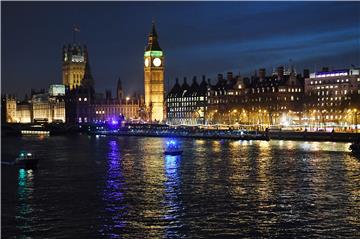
124 187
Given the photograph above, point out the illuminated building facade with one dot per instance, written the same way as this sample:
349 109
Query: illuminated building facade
275 100
187 104
42 107
8 103
125 108
154 78
49 107
24 112
333 99
224 98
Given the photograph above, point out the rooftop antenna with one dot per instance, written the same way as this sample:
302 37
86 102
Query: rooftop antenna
75 30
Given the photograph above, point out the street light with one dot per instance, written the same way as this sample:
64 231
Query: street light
355 116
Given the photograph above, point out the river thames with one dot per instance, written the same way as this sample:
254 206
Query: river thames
124 187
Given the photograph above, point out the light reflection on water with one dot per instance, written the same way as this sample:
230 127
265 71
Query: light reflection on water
216 188
171 199
25 193
113 193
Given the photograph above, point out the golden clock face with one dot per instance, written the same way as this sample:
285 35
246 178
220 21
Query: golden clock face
146 62
157 62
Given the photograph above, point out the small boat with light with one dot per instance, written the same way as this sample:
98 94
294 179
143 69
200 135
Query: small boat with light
26 160
355 148
172 148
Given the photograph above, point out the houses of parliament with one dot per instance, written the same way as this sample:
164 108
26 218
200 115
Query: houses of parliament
75 100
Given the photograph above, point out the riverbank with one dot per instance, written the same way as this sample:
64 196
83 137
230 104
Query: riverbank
167 131
314 136
184 134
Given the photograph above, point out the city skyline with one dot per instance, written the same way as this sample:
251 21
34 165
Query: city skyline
203 44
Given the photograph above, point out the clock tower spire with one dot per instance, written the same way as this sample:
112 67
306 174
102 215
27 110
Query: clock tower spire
154 77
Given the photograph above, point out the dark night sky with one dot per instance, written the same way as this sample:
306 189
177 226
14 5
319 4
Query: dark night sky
197 38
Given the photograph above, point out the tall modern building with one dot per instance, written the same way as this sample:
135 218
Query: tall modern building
154 78
74 59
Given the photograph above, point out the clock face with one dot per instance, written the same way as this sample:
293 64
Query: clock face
146 62
157 62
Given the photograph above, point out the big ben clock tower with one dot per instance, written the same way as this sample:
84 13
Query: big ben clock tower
154 77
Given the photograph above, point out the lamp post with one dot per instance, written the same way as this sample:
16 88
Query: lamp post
234 111
264 117
355 119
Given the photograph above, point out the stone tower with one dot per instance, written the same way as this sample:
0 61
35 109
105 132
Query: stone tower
74 58
154 77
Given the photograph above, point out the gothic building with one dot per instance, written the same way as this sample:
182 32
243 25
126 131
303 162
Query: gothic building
84 106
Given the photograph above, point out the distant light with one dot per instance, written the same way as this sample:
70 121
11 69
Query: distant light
171 143
29 154
114 122
128 98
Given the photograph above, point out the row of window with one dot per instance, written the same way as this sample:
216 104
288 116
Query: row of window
335 98
328 104
342 92
332 74
184 104
180 99
329 81
185 109
117 111
181 115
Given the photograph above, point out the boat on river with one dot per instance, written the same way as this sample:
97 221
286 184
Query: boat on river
26 160
172 148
